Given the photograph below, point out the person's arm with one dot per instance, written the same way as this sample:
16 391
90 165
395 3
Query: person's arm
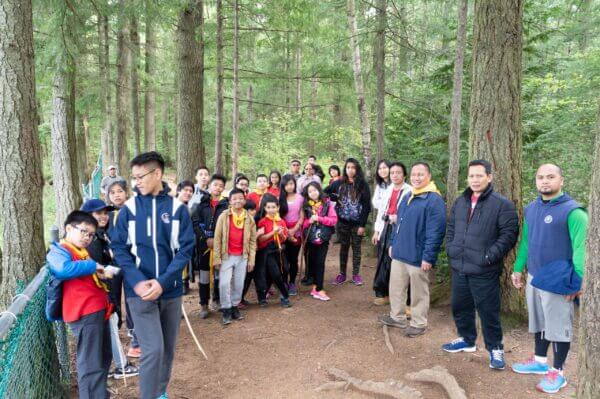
122 250
63 267
521 259
435 228
366 206
183 255
330 219
508 232
577 223
218 238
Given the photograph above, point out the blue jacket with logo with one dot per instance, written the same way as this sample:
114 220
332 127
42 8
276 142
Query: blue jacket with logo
153 239
421 228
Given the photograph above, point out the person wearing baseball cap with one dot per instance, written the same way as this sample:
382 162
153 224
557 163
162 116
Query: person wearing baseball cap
108 180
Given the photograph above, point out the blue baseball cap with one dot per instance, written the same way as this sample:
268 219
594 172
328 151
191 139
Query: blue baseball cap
95 205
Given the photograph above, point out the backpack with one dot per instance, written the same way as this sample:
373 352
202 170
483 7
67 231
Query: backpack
54 296
319 233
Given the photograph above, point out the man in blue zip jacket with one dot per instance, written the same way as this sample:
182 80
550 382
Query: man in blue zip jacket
416 243
153 241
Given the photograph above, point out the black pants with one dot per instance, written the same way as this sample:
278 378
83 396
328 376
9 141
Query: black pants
92 335
316 255
115 294
348 236
291 254
269 270
204 278
247 281
481 293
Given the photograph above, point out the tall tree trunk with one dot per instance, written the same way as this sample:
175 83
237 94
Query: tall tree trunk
380 72
250 109
235 150
165 131
288 72
313 98
589 334
22 226
495 127
365 125
190 51
71 118
66 193
219 117
81 146
135 84
299 79
150 95
105 89
123 93
456 107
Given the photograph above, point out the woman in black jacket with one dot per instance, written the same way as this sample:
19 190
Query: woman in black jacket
352 207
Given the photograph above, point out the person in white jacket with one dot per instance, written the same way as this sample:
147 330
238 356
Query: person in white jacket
384 222
382 182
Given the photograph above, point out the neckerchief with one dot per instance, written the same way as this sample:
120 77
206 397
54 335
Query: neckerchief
238 220
83 254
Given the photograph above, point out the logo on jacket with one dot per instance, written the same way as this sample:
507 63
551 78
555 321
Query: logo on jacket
548 219
166 218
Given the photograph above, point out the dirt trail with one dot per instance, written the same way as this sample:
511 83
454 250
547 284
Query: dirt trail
284 353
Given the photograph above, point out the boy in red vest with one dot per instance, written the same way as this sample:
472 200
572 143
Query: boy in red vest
85 303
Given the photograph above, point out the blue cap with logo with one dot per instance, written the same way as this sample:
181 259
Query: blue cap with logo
96 205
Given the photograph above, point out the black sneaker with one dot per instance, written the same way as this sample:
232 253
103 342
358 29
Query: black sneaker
226 316
285 303
128 371
263 302
306 281
235 314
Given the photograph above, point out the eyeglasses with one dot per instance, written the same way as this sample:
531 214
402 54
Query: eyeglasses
140 178
84 232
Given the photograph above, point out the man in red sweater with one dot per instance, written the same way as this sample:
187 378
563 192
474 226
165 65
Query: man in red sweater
85 303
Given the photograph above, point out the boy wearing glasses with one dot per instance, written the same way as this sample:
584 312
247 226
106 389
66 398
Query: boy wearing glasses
153 241
85 303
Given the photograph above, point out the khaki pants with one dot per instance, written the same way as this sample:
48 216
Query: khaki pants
401 276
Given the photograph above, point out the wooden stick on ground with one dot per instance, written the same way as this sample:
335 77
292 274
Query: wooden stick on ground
390 388
388 341
440 375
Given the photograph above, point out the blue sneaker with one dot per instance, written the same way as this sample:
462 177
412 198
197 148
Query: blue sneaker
164 396
497 359
552 382
530 366
459 345
285 303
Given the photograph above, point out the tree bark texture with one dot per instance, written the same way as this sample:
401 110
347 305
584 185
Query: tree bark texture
456 107
365 125
219 115
21 181
135 84
235 145
123 95
588 385
495 126
190 51
149 94
380 73
105 90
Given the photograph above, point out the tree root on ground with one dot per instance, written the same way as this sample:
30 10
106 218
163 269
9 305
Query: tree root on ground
388 341
390 388
441 376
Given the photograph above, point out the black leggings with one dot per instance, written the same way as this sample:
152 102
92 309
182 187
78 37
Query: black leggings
269 271
291 254
348 235
316 255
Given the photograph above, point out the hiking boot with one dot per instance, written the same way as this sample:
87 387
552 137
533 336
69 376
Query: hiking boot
497 359
128 371
552 382
203 312
134 352
412 331
381 301
293 290
459 345
340 279
357 280
285 303
530 366
388 321
306 281
235 314
226 316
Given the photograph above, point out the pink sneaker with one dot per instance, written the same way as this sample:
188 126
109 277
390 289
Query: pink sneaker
314 293
321 295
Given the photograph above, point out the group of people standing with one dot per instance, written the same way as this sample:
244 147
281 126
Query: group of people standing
159 243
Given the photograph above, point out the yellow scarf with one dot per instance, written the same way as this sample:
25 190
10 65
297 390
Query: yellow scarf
276 219
260 192
429 188
83 254
238 220
315 205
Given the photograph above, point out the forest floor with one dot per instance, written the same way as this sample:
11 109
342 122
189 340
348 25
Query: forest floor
285 353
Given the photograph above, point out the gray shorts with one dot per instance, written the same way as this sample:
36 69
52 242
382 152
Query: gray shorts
549 313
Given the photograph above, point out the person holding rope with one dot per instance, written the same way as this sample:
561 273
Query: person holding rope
318 225
153 241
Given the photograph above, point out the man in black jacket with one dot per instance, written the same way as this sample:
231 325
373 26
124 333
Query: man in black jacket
482 228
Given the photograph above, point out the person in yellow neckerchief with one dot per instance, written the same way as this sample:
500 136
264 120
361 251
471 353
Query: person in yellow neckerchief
262 186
